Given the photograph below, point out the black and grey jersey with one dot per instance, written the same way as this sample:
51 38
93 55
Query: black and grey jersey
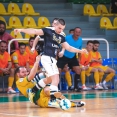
52 41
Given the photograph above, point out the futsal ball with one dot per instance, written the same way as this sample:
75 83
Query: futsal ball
65 104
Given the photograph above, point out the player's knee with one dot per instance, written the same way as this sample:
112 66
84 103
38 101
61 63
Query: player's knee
113 71
77 70
95 70
83 69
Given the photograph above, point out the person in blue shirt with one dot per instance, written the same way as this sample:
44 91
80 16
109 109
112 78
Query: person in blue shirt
70 58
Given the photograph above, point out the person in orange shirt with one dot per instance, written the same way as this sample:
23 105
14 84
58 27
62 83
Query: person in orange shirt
86 70
5 59
19 58
97 63
32 55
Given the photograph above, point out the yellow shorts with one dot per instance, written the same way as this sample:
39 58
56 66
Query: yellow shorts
88 71
102 67
43 100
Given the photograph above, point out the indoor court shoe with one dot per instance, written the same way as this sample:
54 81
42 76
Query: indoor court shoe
53 103
79 104
71 88
104 86
77 89
30 95
98 87
84 88
11 91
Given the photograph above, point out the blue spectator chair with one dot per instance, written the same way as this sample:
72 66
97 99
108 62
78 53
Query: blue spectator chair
115 64
107 62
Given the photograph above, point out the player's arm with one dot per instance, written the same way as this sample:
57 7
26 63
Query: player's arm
29 31
72 49
9 65
14 57
16 65
61 53
35 43
27 66
34 69
99 60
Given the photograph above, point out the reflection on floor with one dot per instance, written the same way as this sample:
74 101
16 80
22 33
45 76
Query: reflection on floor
98 104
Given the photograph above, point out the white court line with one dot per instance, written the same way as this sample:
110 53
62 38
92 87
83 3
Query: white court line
18 115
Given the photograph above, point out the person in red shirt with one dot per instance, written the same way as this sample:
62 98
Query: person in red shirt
6 36
5 59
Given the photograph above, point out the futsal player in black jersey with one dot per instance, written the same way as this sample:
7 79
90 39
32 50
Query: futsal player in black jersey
52 41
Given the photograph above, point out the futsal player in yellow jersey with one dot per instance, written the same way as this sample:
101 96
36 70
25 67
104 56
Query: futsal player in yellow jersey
86 70
97 63
41 97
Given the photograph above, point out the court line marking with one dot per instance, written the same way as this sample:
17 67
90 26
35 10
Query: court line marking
18 115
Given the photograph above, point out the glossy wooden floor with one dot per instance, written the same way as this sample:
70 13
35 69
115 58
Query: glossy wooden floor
98 104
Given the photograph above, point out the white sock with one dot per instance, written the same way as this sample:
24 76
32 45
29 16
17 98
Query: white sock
100 83
42 83
97 84
104 82
53 87
83 85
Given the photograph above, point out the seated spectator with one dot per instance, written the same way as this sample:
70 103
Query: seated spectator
32 55
113 6
19 58
40 45
6 36
5 59
71 31
86 70
96 62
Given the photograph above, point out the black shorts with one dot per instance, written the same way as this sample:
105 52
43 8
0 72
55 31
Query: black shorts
61 62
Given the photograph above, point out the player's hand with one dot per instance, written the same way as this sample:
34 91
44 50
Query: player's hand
32 50
84 51
38 58
16 31
92 60
60 54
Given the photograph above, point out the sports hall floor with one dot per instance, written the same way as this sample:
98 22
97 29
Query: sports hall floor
98 104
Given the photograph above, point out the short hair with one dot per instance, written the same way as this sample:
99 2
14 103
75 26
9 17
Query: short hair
22 44
96 42
17 70
71 30
90 41
76 28
61 21
3 42
55 19
2 22
32 38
